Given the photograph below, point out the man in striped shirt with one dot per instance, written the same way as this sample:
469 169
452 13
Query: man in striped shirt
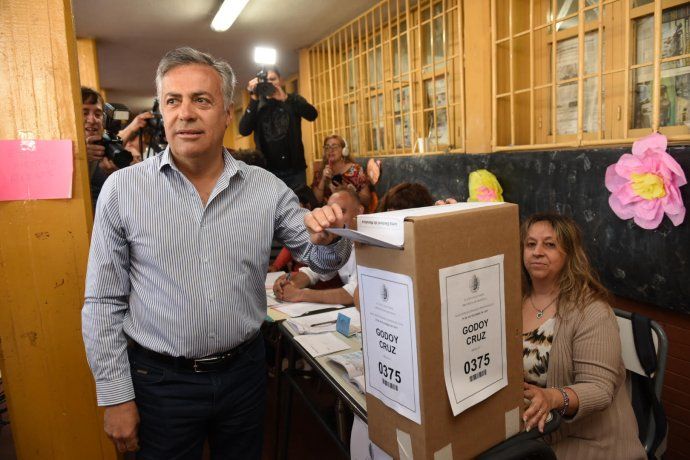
175 283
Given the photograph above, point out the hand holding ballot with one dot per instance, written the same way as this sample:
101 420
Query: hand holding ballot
317 221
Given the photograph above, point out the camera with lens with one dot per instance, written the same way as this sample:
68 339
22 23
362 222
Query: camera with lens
115 115
263 88
154 131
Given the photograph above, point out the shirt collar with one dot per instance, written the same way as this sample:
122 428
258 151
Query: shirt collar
230 165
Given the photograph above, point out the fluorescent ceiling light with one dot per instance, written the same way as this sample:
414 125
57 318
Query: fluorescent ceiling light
265 56
227 13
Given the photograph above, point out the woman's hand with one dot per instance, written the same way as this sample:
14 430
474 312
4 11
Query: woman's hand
541 402
327 172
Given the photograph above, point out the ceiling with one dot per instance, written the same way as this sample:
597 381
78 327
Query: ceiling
132 36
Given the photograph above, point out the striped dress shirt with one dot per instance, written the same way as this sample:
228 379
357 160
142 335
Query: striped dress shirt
181 278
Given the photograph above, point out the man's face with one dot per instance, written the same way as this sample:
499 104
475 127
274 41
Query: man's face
351 209
193 113
93 119
273 78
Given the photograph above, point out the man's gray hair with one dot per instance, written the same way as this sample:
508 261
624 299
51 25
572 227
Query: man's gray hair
186 56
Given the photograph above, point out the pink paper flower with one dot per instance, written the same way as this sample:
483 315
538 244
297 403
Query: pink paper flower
645 184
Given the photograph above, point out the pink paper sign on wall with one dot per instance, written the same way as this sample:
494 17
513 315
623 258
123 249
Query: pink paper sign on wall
35 170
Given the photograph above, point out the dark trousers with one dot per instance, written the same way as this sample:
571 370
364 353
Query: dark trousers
181 409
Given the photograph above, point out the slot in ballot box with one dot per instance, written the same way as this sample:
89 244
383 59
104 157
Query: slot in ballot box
440 297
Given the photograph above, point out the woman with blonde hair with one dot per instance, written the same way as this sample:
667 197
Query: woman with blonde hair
571 347
339 170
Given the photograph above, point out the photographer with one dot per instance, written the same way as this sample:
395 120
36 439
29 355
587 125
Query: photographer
275 120
100 165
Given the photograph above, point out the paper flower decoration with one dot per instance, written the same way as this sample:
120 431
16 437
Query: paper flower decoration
484 186
644 185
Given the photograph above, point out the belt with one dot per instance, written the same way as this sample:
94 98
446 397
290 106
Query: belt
212 363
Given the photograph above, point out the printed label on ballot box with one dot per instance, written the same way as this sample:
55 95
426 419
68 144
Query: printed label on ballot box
473 331
390 340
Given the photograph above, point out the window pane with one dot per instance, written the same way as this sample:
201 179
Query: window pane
567 58
503 120
636 3
592 52
438 38
643 30
353 144
590 117
674 31
503 67
566 109
440 93
675 93
641 97
521 64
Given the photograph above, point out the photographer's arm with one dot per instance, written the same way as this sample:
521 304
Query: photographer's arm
139 122
248 120
302 107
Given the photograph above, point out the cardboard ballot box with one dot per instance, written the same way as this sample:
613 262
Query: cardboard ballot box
440 297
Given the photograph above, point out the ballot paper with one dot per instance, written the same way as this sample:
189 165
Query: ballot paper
387 229
353 363
294 310
271 278
321 344
324 322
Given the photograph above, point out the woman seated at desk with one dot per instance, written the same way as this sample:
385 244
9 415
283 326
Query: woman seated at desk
572 350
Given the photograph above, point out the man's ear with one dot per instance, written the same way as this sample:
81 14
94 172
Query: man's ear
228 114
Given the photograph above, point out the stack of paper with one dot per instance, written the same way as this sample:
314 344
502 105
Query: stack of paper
271 279
294 310
325 322
321 344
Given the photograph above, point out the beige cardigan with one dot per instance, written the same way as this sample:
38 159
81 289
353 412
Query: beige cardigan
586 356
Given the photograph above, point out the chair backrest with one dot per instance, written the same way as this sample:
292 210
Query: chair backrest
632 364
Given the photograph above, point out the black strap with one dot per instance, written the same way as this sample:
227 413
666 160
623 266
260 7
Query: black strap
644 344
646 353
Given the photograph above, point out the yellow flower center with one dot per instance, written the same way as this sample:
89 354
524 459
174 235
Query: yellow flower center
649 186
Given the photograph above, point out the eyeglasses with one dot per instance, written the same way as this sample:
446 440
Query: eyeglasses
332 147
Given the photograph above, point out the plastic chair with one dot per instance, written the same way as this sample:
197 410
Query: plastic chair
652 431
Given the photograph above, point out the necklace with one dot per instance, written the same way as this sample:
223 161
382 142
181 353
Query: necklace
540 313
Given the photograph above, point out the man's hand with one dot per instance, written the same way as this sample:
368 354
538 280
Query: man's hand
279 94
317 221
251 86
94 151
107 165
291 293
138 123
121 424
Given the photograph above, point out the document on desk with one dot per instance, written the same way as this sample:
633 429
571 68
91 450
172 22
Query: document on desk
294 310
271 300
473 331
321 344
271 278
390 339
325 322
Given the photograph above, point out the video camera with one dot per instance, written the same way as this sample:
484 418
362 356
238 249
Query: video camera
263 88
115 115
